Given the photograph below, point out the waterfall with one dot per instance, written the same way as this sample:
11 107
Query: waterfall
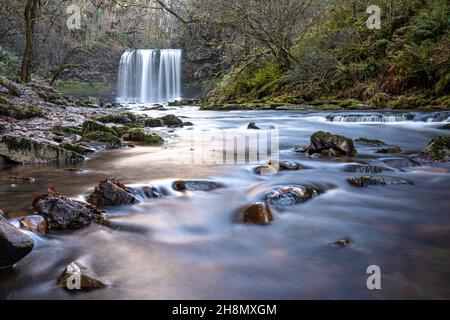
374 117
149 76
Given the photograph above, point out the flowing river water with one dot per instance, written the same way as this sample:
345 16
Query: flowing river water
189 246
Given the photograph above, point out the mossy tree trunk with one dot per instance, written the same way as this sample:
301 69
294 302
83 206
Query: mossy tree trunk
30 16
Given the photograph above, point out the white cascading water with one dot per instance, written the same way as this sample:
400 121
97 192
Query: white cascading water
370 118
149 76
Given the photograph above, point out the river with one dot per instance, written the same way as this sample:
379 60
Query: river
189 246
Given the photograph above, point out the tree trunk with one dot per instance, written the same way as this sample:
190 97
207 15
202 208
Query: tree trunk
30 16
10 86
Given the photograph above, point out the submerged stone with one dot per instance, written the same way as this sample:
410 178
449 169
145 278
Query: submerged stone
196 185
35 224
14 244
366 181
258 213
78 277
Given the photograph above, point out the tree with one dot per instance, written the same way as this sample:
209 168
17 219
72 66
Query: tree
30 14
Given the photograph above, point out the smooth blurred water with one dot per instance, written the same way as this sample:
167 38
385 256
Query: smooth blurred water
189 246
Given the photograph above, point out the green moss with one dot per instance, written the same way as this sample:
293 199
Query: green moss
74 148
153 123
123 118
138 135
93 126
20 112
438 149
105 137
67 129
379 100
374 142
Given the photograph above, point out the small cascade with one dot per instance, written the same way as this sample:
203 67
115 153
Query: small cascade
149 76
373 117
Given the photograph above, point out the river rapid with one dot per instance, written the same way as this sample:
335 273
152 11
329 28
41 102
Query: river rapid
190 245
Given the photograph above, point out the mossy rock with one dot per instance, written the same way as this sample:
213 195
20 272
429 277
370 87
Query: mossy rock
446 127
153 123
123 118
75 148
66 130
438 149
372 142
172 121
324 141
94 126
107 138
139 135
20 112
24 150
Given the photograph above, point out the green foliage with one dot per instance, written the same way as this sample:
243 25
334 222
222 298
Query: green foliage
9 63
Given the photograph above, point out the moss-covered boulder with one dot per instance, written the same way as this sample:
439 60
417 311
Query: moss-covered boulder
172 121
20 112
102 140
139 135
438 149
24 150
328 143
75 148
122 118
153 123
90 126
67 130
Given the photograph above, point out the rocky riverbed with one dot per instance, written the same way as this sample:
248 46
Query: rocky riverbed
341 195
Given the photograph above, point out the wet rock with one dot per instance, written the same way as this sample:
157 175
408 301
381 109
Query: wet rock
196 185
342 243
290 195
390 150
366 181
364 168
284 165
253 126
122 118
35 224
153 123
330 144
258 213
371 142
14 244
25 150
90 126
64 213
139 135
172 121
437 150
146 192
400 163
16 179
76 148
441 116
188 124
110 193
266 170
101 140
78 277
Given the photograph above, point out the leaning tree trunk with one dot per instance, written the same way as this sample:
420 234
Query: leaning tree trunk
30 16
10 86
